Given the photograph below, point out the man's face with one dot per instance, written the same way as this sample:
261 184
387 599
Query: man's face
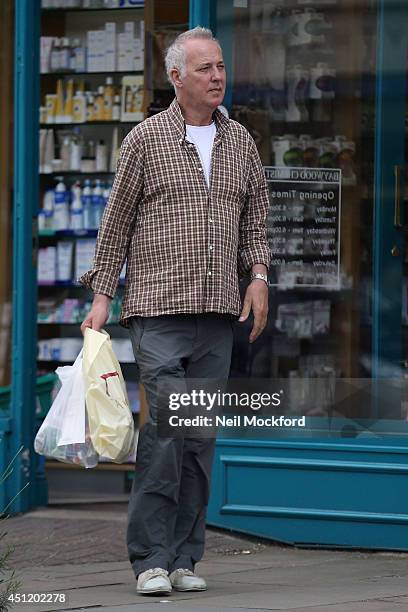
204 81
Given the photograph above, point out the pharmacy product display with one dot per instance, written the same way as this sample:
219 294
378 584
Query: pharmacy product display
73 103
79 207
102 50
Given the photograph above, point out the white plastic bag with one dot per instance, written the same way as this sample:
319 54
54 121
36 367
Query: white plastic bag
64 434
110 418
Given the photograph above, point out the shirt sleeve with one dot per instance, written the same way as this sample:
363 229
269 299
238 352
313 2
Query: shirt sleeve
118 221
253 244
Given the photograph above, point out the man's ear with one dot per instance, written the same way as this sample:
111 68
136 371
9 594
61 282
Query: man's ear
175 75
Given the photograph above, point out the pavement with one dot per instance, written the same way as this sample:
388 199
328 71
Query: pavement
79 551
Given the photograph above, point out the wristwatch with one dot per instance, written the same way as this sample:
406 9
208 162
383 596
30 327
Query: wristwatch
259 275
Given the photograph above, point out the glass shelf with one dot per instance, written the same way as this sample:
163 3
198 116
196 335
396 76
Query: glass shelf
98 73
76 173
98 123
47 11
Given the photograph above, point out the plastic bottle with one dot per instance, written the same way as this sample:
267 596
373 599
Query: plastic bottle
101 157
69 102
61 208
116 109
59 108
90 108
97 203
98 114
76 150
77 210
79 108
108 99
55 55
65 153
65 53
87 206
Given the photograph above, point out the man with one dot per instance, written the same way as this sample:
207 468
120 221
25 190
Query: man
188 210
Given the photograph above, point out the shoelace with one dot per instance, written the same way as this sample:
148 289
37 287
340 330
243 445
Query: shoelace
155 571
184 572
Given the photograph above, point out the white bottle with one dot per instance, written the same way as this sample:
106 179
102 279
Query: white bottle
55 55
76 151
97 204
65 53
61 209
77 210
116 109
101 157
65 153
87 205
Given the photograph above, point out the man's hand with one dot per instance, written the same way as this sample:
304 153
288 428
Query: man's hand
256 297
99 313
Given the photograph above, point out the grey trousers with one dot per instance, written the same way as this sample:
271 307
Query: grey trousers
170 492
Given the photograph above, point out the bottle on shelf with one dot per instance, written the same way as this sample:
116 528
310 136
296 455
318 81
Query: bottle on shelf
76 150
90 107
108 99
59 107
77 210
79 107
55 55
101 157
98 114
61 205
97 204
69 102
65 153
65 54
116 109
87 205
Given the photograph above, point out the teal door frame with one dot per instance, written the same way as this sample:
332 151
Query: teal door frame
20 485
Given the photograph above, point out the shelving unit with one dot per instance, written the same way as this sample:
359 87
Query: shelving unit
74 23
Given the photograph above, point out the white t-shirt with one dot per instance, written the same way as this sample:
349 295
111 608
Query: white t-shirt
203 138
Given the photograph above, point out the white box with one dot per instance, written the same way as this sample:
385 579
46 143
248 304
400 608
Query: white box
110 46
100 45
125 52
47 265
92 51
130 28
84 254
64 260
138 58
45 52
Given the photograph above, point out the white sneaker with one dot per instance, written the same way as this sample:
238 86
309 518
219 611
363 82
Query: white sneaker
186 580
155 580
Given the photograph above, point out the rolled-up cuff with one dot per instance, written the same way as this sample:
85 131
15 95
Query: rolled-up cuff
99 281
257 255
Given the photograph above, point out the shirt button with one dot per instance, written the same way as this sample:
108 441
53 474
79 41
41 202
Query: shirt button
211 220
200 169
211 247
209 274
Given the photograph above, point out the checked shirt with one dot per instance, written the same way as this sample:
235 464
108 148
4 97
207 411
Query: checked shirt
186 244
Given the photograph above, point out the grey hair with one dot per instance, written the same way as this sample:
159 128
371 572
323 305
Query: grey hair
176 54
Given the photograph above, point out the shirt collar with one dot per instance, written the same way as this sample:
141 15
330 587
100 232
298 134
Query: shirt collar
176 117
